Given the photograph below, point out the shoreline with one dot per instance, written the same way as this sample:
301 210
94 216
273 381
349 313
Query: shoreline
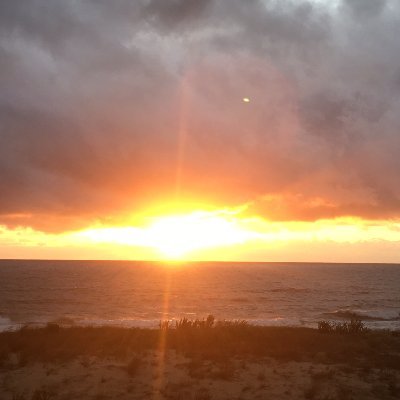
377 324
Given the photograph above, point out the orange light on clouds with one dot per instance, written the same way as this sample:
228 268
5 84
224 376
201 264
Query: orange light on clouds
227 234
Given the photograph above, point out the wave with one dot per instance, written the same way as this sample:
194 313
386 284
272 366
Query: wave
364 315
280 321
125 323
290 290
6 324
64 321
240 300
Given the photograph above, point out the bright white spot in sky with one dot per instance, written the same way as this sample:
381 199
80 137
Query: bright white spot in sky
246 99
330 4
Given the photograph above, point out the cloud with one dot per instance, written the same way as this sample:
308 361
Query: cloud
365 8
171 14
105 109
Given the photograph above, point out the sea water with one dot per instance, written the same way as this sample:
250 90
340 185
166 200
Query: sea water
127 293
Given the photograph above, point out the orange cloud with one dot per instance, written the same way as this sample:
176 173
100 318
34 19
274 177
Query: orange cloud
107 116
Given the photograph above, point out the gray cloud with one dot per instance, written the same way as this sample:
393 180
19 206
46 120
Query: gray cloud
171 14
365 8
105 107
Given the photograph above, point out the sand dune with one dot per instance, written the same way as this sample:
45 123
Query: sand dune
192 363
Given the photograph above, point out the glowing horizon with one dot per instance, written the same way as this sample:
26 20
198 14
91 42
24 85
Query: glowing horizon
219 234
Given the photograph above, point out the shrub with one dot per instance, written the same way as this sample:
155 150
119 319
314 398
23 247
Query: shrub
185 323
41 395
164 325
236 323
354 327
325 326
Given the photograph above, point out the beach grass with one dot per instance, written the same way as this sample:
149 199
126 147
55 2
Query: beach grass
199 360
202 339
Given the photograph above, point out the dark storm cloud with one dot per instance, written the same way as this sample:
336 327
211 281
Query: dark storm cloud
108 106
365 8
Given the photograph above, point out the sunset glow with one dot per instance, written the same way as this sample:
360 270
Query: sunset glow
225 234
199 130
176 236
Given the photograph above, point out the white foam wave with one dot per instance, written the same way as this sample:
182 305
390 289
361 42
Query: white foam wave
367 315
6 324
125 323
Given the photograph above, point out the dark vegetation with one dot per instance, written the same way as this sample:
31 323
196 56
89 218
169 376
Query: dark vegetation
41 395
206 339
354 327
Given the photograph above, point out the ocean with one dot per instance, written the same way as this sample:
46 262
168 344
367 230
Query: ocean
129 293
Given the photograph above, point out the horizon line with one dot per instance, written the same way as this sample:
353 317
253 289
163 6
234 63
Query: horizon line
197 261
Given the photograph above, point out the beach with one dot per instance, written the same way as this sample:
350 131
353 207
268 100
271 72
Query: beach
224 361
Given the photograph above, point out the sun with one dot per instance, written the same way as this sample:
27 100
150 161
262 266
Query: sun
176 236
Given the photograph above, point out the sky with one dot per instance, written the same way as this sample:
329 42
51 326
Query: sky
275 124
